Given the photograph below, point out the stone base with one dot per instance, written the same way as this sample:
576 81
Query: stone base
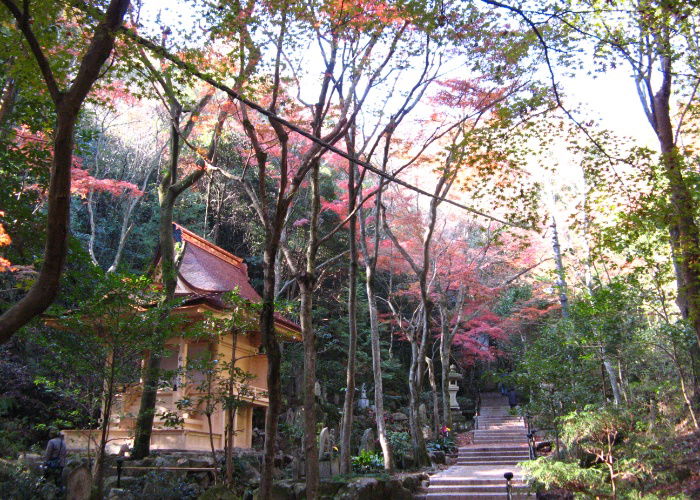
458 420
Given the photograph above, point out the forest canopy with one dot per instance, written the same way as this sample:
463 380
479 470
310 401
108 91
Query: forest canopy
348 208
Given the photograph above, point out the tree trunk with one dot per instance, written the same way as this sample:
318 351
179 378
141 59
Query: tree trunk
274 360
685 236
67 105
434 391
98 470
561 272
151 371
348 404
169 190
7 104
310 446
420 453
612 377
231 413
444 379
211 439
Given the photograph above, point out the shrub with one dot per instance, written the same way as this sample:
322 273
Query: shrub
367 461
19 483
444 443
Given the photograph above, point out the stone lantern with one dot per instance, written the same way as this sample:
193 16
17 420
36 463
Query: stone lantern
452 387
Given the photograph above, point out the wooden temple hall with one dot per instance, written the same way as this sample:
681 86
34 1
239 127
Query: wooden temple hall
205 273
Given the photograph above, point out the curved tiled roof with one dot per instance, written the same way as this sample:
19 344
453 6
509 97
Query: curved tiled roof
207 271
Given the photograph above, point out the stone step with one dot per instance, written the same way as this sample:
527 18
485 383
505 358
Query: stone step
483 496
523 452
473 463
505 440
477 488
496 449
488 432
471 481
495 456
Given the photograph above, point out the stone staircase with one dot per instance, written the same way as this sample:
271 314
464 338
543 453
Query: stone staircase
500 442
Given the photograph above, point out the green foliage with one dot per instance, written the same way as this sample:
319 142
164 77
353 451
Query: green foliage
367 461
19 483
445 444
400 443
550 473
167 486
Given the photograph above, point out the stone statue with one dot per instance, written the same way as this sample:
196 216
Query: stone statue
324 445
363 402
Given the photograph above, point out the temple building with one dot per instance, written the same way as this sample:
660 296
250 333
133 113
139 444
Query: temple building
206 272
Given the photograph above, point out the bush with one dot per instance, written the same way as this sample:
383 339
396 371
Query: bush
568 475
367 461
443 443
400 443
19 483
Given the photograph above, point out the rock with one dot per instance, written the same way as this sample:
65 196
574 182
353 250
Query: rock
78 483
120 494
126 482
395 490
329 489
424 484
367 440
219 492
287 490
249 473
399 417
437 457
366 488
411 483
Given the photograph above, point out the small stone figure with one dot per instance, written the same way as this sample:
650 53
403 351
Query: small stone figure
363 402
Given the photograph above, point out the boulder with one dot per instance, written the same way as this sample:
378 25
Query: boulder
287 490
399 417
126 482
120 494
219 492
366 488
437 457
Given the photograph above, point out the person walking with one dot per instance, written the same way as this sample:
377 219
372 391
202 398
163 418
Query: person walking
55 457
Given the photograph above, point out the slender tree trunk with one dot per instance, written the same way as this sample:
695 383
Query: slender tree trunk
310 445
98 469
170 188
307 283
211 439
231 413
151 371
444 378
612 377
274 360
420 453
7 104
377 366
561 272
434 391
348 404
